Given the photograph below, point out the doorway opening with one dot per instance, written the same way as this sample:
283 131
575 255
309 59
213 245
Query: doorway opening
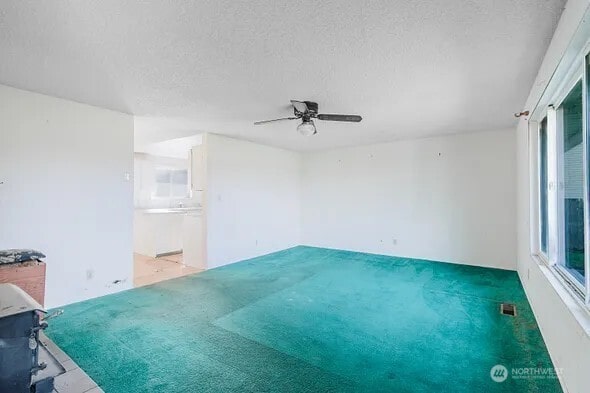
167 224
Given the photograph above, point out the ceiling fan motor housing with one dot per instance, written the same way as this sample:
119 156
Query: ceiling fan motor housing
312 109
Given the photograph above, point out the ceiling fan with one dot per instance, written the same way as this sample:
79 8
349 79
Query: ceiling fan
306 111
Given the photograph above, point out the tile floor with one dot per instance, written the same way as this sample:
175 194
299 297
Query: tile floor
148 270
74 379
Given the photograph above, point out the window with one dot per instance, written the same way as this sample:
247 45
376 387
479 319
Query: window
543 189
570 157
563 177
171 183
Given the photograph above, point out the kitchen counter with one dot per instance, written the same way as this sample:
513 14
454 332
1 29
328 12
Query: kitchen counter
169 210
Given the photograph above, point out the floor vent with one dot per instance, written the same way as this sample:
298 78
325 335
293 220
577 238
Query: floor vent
508 309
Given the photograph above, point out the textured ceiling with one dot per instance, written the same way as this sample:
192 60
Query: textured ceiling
410 68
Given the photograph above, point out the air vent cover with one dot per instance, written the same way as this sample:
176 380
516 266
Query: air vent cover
508 309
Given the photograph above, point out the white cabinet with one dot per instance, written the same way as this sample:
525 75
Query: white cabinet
193 239
161 233
197 168
157 234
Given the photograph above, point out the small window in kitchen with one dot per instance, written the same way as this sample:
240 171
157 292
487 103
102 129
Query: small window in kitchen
171 183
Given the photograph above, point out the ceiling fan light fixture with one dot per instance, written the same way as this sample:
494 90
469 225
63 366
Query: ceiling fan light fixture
307 110
306 128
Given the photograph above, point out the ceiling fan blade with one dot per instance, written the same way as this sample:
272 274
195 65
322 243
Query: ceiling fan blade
352 118
299 106
273 120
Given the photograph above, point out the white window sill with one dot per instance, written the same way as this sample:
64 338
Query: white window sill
568 296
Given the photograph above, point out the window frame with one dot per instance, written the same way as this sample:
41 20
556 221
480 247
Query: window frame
579 71
586 171
543 253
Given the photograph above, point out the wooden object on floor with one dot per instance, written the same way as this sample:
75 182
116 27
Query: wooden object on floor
29 276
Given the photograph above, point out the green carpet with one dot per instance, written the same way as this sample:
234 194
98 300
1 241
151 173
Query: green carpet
311 320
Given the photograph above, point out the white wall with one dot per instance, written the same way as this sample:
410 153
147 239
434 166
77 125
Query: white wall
252 203
175 148
447 199
564 323
65 193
